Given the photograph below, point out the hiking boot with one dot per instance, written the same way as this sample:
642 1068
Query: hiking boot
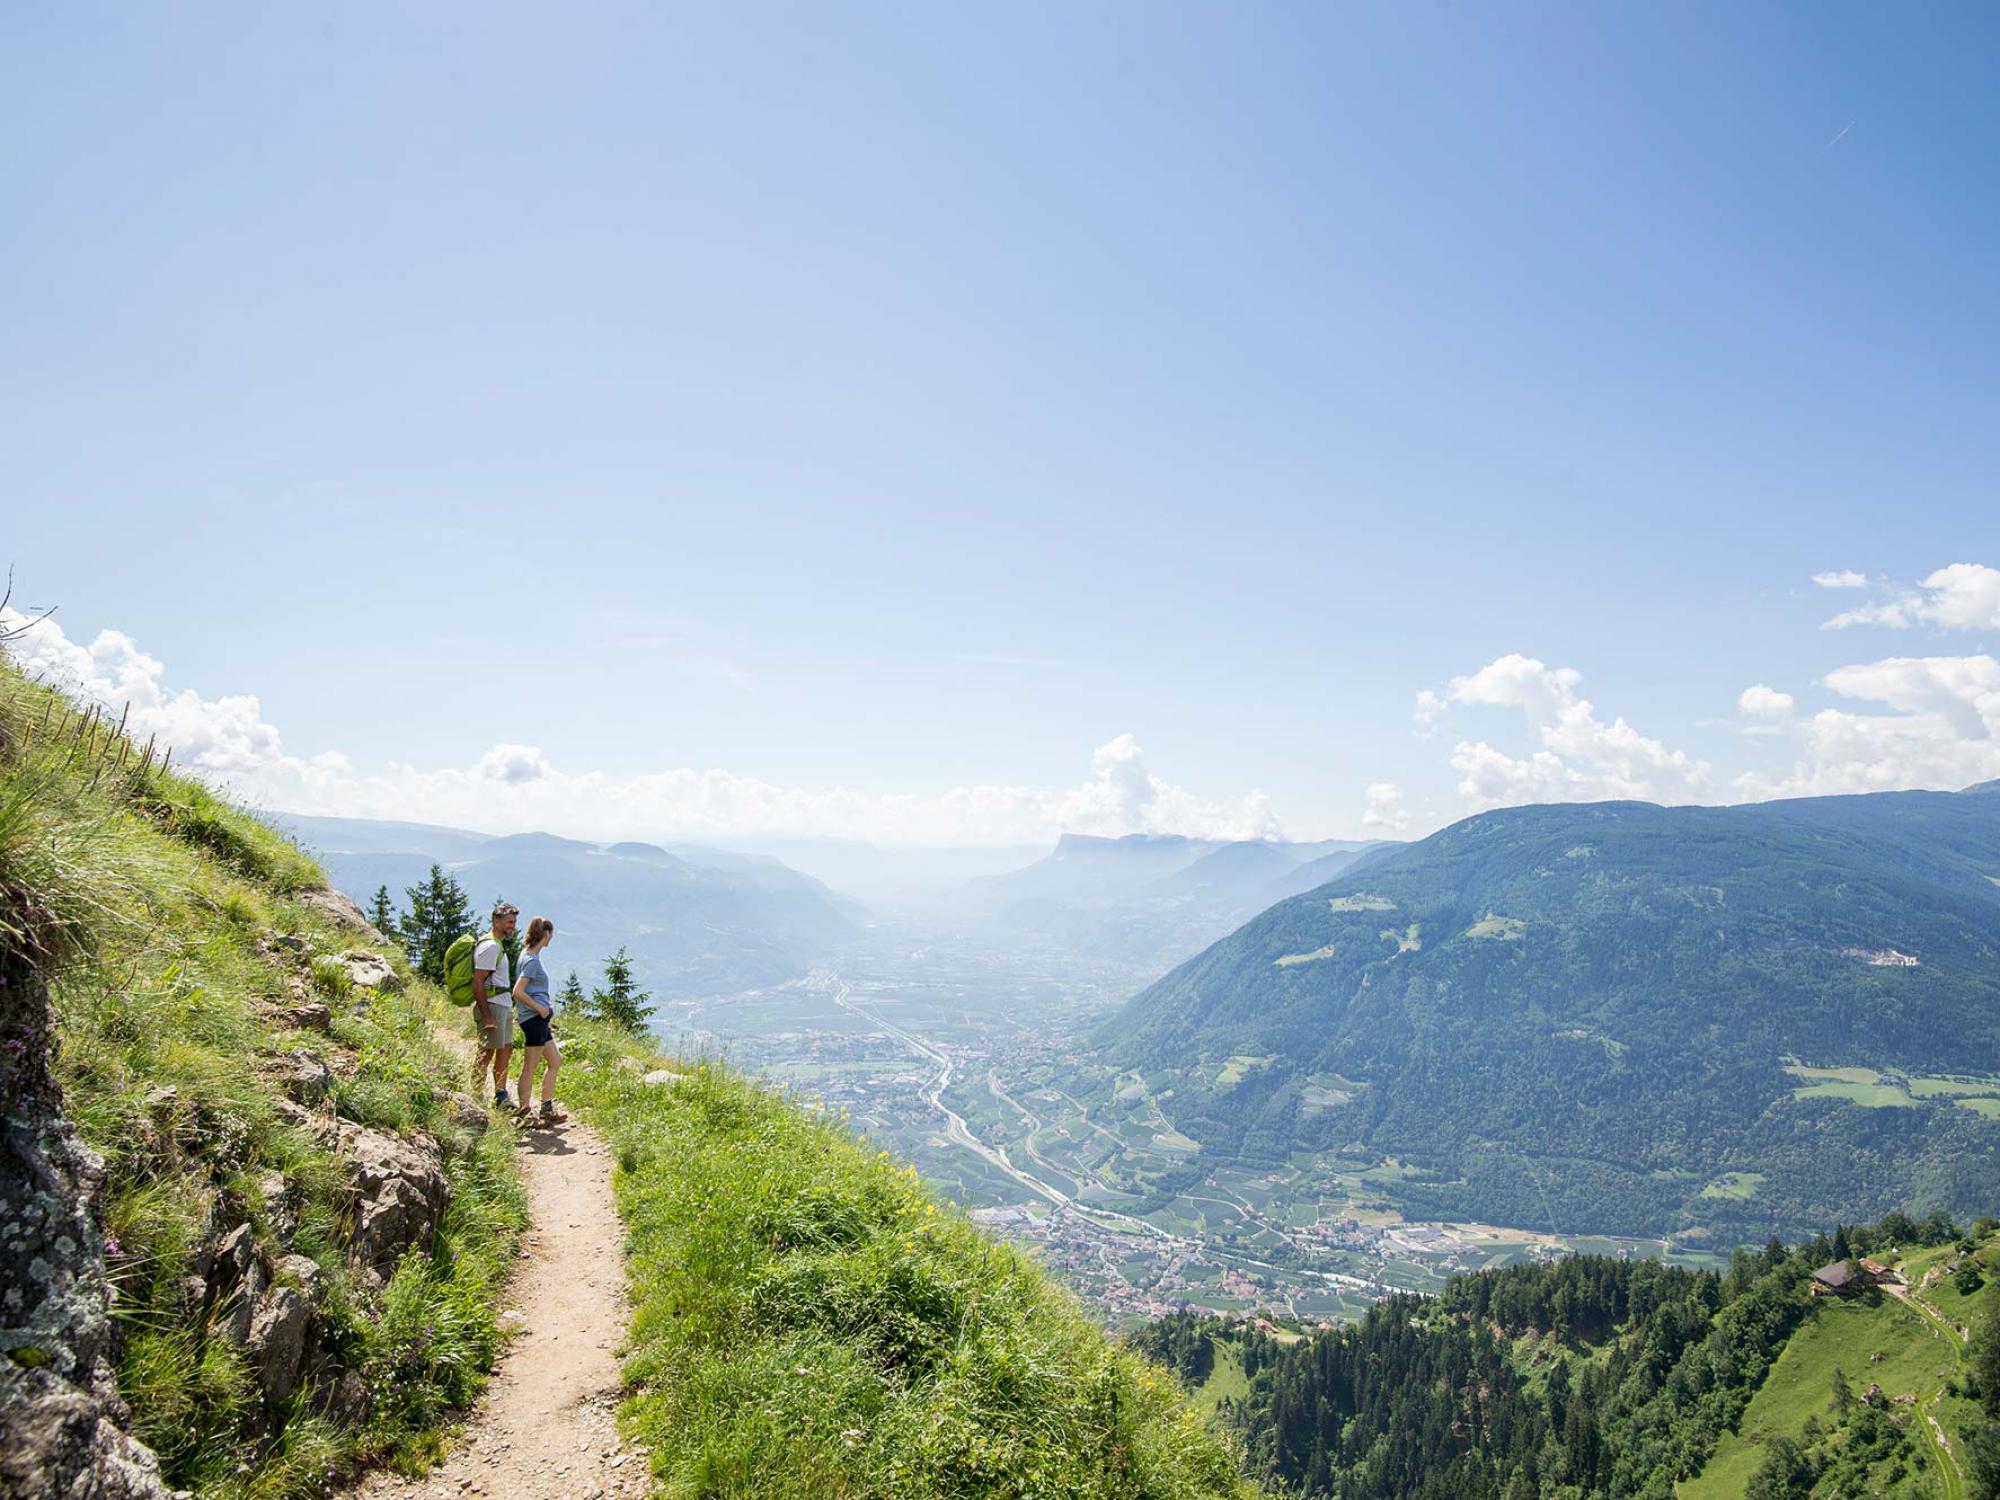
501 1100
550 1114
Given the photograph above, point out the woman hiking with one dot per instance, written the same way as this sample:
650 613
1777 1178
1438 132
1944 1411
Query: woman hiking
534 1010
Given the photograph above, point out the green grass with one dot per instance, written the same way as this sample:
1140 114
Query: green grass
1867 1095
1361 901
1738 1186
1313 957
149 903
1406 941
812 1322
1844 1335
1236 1069
1497 928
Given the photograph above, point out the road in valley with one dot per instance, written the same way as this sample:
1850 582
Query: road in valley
961 1134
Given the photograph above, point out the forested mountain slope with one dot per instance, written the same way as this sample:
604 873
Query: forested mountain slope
1621 1017
1597 1379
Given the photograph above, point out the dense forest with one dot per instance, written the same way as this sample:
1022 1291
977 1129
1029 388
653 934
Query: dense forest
1586 1377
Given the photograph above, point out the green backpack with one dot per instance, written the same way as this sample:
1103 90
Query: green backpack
458 967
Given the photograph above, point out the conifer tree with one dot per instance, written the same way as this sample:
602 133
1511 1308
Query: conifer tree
621 1001
574 1001
382 912
439 912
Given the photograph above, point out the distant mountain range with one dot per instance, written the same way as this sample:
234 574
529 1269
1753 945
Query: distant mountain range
1151 899
695 920
1620 1017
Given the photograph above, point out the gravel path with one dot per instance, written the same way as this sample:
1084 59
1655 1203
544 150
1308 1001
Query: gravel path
544 1429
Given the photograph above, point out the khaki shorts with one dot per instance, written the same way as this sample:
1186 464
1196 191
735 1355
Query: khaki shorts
495 1020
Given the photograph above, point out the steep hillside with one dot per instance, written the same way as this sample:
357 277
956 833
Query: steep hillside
693 919
1148 900
1599 1379
812 1323
254 1233
1621 1017
255 1236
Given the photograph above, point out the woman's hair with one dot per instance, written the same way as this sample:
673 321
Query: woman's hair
540 930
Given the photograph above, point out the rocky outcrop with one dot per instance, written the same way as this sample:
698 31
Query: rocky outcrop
304 1076
62 1426
400 1193
341 911
371 971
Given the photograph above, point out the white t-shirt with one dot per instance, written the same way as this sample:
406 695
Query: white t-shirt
490 955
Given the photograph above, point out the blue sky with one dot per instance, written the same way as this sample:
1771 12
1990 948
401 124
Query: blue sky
789 418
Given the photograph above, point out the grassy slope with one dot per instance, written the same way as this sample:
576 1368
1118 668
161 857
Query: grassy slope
1919 1354
159 901
812 1322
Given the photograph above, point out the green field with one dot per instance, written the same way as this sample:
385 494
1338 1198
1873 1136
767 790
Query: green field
1740 1186
1497 928
1306 958
1873 1341
1361 901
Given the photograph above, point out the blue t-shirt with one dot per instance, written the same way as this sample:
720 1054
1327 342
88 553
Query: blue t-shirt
537 979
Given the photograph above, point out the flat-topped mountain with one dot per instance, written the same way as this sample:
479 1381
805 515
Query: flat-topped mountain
694 919
1620 1017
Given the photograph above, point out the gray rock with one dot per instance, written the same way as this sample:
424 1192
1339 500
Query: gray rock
282 1202
303 1272
340 910
61 1422
304 1076
400 1192
277 1341
371 971
351 1396
662 1078
469 1114
289 942
62 1443
306 1015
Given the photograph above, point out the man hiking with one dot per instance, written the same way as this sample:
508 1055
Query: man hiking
493 1004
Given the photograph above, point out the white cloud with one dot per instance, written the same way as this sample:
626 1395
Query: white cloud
1581 758
1845 578
1765 704
1385 812
514 788
1943 730
1964 596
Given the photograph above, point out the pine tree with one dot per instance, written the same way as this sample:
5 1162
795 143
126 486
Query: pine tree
382 912
621 1001
439 912
1841 1249
574 1001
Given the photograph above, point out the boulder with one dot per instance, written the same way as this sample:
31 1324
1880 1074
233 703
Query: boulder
304 1076
662 1078
305 1015
321 1127
340 909
303 1272
469 1114
277 1341
400 1192
371 971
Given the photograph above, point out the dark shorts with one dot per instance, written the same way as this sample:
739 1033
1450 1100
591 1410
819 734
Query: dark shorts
535 1031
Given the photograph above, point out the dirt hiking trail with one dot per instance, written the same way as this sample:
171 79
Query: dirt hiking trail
544 1429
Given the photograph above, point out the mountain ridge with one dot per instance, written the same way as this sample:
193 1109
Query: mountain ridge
1576 1010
